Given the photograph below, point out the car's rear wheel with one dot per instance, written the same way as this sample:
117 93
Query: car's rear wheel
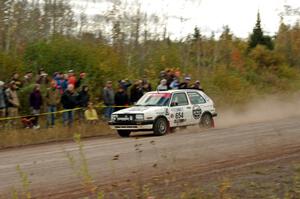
124 133
160 126
207 121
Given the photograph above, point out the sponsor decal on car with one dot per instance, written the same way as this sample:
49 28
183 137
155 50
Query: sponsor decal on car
197 111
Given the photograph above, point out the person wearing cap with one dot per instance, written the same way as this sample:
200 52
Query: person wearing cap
121 99
163 85
197 86
42 77
13 102
125 84
109 100
2 102
185 84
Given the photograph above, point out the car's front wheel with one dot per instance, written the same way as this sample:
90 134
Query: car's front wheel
160 126
207 121
124 133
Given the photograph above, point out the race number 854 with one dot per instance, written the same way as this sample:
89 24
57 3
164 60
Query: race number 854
179 115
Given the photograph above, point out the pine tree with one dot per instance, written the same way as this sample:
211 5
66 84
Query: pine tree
258 37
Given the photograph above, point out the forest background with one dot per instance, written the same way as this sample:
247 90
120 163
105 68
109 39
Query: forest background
125 42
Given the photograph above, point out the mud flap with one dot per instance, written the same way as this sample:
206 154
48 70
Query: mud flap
213 123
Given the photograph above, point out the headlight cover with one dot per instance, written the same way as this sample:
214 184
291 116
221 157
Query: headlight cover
139 117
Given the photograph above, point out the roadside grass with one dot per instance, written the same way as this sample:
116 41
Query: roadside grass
81 170
24 193
23 137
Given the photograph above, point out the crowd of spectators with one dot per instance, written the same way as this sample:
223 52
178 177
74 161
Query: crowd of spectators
69 93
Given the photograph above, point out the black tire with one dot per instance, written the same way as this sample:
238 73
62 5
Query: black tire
124 133
160 126
207 121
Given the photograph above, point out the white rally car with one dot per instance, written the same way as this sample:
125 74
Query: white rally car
162 111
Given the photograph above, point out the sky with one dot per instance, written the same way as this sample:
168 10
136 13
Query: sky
209 15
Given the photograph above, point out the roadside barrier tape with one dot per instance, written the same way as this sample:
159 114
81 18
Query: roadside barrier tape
58 112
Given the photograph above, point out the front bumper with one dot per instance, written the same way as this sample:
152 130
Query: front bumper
131 125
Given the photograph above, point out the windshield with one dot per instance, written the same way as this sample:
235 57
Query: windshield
154 99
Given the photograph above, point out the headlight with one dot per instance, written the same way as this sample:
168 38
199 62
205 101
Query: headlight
114 117
139 117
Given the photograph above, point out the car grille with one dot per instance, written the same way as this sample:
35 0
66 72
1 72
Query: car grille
126 117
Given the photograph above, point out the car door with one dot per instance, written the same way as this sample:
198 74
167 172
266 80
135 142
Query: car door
198 106
180 110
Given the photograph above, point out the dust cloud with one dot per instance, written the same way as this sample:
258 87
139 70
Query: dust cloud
259 110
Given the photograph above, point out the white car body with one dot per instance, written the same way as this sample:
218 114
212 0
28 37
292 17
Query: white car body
182 108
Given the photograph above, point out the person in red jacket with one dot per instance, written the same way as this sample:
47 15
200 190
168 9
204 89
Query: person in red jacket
71 78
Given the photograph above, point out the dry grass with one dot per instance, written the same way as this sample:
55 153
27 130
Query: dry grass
23 137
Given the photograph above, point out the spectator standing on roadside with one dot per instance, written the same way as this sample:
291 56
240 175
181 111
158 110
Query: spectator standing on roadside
52 99
121 99
59 78
72 78
146 88
146 84
197 86
28 78
36 101
91 114
42 77
125 83
136 91
175 84
65 82
13 102
163 85
83 99
16 79
109 100
81 81
185 84
69 101
2 103
169 77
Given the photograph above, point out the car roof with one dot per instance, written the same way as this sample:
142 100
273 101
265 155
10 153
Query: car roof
175 91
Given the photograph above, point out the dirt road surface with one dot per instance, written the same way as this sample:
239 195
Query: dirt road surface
141 157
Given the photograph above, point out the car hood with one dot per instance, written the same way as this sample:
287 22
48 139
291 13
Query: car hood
139 109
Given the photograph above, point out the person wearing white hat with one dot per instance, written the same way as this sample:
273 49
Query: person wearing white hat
185 84
2 101
162 86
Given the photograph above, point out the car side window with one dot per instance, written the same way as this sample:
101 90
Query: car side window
196 98
179 99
